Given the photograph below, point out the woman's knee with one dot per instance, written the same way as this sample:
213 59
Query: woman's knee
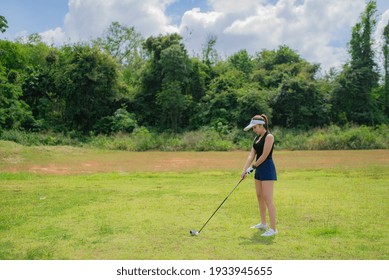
268 198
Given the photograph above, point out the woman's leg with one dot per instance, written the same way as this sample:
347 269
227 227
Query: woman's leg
267 194
261 201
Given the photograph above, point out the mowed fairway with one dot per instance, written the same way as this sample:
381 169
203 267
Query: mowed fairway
72 203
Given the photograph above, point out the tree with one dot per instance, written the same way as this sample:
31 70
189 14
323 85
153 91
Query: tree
122 43
272 66
26 60
353 100
173 103
3 24
385 51
14 113
210 56
155 45
242 61
300 103
221 101
175 70
269 59
13 55
199 76
168 68
41 93
90 87
293 92
252 101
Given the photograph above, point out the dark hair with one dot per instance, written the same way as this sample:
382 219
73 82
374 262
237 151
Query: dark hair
264 118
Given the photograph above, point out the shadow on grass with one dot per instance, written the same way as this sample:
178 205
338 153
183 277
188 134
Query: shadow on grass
257 239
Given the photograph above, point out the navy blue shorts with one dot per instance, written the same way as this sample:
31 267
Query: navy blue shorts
266 171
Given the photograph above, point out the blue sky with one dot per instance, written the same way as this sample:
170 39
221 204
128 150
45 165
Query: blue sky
33 16
178 8
317 29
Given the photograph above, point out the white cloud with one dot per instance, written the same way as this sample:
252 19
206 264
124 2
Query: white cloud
87 19
317 29
235 7
196 26
22 34
310 27
54 36
383 20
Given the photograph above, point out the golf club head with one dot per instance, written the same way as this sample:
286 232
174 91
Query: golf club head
193 232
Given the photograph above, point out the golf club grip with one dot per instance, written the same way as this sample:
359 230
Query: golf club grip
221 204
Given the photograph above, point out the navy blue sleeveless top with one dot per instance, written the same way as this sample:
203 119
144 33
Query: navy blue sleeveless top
258 147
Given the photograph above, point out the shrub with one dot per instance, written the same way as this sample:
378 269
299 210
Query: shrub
348 138
143 139
209 139
37 139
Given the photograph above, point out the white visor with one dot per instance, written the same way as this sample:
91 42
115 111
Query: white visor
253 123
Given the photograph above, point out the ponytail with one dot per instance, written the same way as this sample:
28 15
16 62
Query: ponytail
266 125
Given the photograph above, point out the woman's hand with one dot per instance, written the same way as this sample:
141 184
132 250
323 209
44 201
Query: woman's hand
250 170
247 172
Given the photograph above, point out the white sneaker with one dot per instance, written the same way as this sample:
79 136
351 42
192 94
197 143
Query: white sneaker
270 232
261 226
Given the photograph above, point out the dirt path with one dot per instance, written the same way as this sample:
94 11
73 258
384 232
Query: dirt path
69 160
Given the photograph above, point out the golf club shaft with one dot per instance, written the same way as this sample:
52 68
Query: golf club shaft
221 204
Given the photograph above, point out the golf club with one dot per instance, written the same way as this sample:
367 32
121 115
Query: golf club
195 232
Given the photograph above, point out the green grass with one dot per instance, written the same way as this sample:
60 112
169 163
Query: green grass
337 213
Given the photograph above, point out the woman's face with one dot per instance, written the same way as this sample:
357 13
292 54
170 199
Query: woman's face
258 129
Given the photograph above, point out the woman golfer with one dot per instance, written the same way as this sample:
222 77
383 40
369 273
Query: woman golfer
265 172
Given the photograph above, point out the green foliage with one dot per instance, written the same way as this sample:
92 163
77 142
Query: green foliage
336 138
252 100
198 81
353 100
333 138
39 139
122 43
143 139
300 103
242 62
13 55
175 70
84 88
91 87
164 84
294 96
268 59
219 137
3 24
221 101
155 45
207 139
14 113
120 121
209 53
173 103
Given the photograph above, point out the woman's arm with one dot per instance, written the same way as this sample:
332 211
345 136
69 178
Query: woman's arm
248 162
269 140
